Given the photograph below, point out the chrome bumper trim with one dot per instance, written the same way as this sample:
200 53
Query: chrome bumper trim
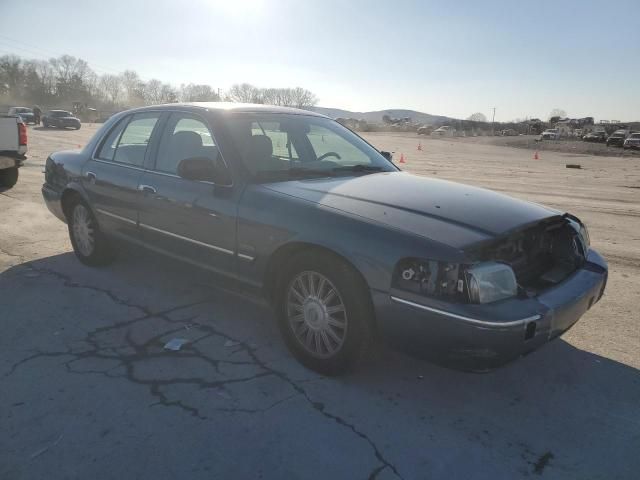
474 321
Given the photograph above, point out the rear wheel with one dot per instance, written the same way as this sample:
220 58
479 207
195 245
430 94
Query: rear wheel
8 177
89 243
324 312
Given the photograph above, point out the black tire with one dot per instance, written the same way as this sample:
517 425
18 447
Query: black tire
78 127
352 293
100 252
45 124
8 177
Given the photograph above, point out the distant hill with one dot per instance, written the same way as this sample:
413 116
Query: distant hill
376 117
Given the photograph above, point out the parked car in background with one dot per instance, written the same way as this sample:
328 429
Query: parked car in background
550 134
617 138
26 114
425 130
444 131
509 132
13 147
632 141
60 119
345 246
599 137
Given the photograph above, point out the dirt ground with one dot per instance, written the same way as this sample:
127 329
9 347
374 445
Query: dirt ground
88 391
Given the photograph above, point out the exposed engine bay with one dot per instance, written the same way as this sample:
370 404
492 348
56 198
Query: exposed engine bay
540 257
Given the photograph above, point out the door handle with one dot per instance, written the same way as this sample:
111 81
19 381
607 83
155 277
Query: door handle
146 188
91 177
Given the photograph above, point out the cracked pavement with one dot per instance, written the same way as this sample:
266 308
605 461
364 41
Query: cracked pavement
88 391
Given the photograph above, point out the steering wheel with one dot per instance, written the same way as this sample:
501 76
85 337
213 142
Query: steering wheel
329 154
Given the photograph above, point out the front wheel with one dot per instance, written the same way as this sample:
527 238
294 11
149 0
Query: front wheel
324 312
89 243
8 177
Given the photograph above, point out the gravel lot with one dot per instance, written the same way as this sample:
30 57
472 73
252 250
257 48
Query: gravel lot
88 392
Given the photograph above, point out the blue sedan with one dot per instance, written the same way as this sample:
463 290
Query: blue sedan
293 206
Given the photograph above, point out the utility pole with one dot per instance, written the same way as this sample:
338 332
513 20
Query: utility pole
493 122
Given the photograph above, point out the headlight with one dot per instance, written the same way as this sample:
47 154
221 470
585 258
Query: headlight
480 283
491 281
583 234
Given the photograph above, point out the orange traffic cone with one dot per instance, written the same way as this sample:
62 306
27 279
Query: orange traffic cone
402 158
419 146
535 156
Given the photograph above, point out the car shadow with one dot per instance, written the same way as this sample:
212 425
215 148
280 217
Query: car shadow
49 128
560 409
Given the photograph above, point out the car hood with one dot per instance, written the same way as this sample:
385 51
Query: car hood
450 213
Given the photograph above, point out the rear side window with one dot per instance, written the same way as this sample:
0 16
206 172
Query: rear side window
185 136
108 149
127 143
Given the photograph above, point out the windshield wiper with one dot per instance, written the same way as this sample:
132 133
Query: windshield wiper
358 168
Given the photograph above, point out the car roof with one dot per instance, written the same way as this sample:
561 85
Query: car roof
65 111
228 107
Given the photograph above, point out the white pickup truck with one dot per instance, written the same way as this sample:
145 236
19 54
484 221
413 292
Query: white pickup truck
13 147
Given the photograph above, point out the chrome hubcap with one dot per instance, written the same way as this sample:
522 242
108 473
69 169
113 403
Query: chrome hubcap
83 230
316 314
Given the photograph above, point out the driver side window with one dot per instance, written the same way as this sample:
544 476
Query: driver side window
327 144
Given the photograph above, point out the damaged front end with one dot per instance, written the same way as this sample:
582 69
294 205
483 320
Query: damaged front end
522 263
542 255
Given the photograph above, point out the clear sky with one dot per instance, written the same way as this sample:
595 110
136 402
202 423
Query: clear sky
443 57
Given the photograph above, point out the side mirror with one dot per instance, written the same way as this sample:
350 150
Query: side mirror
199 169
387 155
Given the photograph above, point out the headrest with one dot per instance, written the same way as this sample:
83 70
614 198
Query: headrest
260 146
186 140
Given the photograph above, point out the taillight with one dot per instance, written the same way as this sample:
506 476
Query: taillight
22 134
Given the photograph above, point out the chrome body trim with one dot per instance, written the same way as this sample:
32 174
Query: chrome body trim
187 239
474 321
117 217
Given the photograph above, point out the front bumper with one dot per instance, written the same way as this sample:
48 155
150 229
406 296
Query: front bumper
483 337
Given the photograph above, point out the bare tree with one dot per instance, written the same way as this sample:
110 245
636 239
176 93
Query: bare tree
111 86
198 93
557 112
477 117
302 98
152 92
133 88
11 74
288 97
168 94
244 93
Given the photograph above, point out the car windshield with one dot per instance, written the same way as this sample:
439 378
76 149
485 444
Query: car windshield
60 113
23 110
635 135
276 146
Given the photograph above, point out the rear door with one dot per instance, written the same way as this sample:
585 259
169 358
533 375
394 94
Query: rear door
192 220
112 176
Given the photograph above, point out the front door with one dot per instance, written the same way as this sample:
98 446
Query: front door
112 176
191 220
